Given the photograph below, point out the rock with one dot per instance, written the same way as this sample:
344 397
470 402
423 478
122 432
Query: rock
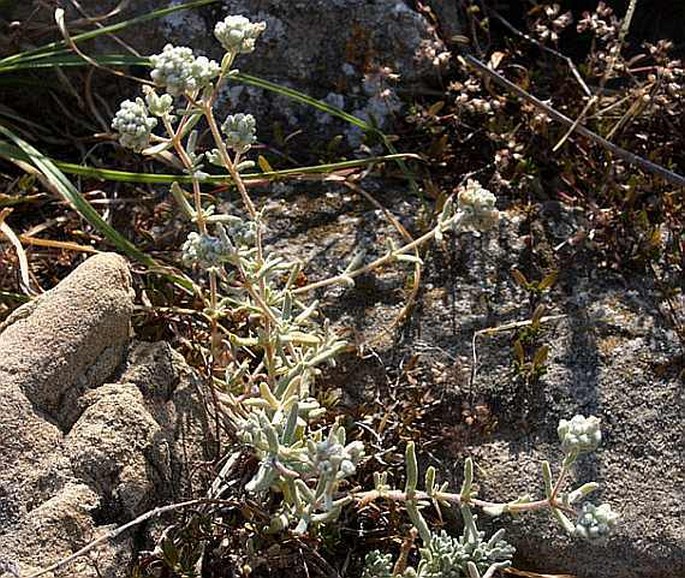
341 51
94 430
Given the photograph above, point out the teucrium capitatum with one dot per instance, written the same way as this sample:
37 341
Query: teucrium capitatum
277 349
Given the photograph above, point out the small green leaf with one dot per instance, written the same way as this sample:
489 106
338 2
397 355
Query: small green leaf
412 469
547 477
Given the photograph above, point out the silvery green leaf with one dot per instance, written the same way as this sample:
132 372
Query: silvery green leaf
409 258
568 526
582 491
412 469
430 480
290 425
418 520
472 570
245 165
495 510
355 262
180 196
468 480
307 313
264 477
547 477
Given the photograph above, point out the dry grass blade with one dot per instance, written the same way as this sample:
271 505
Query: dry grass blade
64 245
7 231
416 279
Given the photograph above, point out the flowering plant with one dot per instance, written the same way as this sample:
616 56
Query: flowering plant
276 355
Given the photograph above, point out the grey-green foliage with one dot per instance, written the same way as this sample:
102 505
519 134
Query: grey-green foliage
447 557
233 240
277 350
377 565
240 131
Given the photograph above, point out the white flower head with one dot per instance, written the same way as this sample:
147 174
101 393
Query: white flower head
207 250
240 130
237 34
179 71
133 124
477 206
580 434
595 522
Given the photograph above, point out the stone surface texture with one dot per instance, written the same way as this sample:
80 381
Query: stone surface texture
341 51
613 354
94 430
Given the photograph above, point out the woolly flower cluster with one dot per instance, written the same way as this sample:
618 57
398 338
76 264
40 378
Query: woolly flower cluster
205 250
240 131
233 239
580 434
477 206
595 522
237 34
133 124
179 71
332 457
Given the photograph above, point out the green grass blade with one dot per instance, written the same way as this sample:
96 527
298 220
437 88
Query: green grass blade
17 297
112 28
78 202
298 96
131 177
9 151
68 59
70 194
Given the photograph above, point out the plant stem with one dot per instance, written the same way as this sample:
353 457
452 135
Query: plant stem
388 257
188 165
401 496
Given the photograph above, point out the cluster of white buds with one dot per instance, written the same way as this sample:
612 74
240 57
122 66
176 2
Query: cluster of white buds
331 457
595 522
207 250
580 434
237 34
477 206
180 72
241 131
133 124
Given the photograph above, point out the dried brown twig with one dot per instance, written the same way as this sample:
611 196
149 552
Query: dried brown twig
631 158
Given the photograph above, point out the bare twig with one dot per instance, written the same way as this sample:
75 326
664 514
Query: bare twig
121 529
499 329
631 158
541 46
